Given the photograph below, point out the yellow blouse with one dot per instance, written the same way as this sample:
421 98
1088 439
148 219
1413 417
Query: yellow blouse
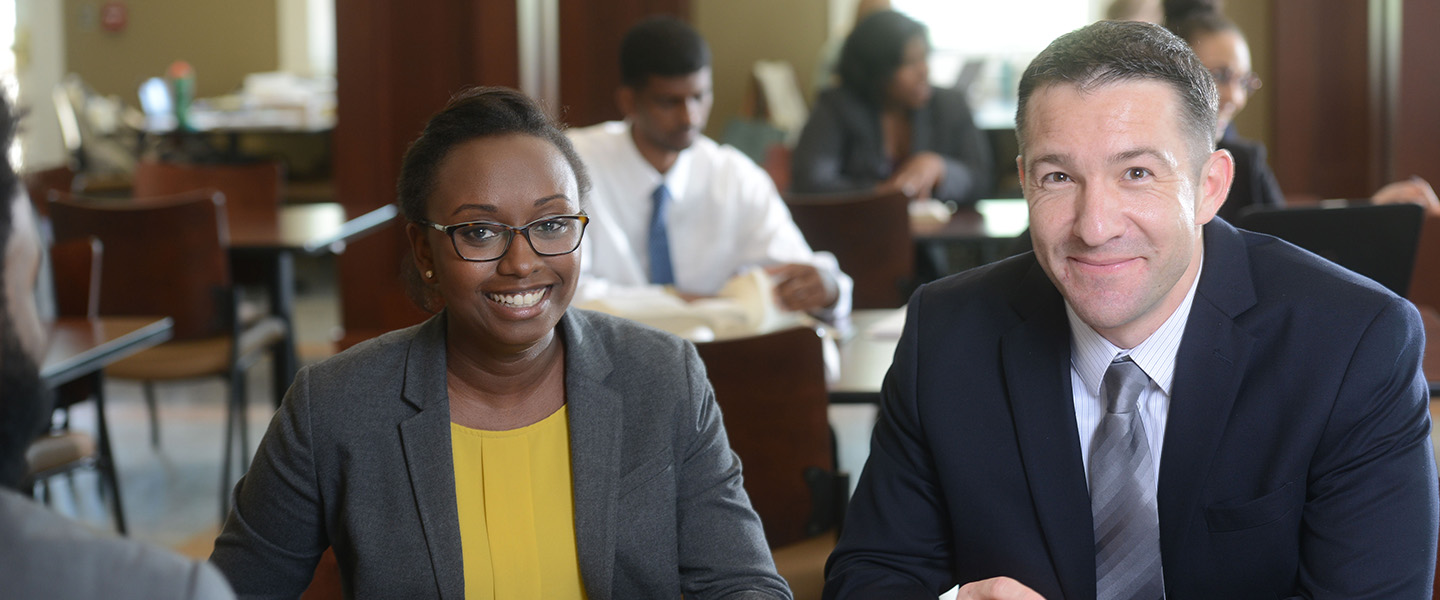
517 510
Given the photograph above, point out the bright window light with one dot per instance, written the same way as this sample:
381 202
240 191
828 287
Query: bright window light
985 28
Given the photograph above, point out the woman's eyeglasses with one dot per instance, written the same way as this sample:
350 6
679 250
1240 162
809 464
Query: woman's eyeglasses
484 241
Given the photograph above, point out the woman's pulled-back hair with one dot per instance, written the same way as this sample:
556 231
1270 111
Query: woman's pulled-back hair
474 113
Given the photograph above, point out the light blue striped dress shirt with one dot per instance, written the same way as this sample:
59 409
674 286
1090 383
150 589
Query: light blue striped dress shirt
1090 356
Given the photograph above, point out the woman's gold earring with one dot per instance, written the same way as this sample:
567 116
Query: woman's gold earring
429 274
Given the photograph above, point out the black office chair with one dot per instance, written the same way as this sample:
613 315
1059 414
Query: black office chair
1378 241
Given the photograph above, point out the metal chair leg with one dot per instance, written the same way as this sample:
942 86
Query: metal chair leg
106 463
152 406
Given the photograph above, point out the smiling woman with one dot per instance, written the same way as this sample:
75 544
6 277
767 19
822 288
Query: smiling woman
509 446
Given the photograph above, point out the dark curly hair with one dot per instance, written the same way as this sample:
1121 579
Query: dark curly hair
662 46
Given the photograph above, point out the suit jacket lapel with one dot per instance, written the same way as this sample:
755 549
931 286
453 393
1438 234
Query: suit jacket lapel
425 438
596 427
1036 361
1208 370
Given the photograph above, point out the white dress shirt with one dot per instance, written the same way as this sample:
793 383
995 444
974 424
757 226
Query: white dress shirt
1091 354
726 216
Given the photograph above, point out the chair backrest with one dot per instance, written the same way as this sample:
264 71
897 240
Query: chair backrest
869 233
1425 278
1377 241
75 265
39 183
252 190
771 390
162 257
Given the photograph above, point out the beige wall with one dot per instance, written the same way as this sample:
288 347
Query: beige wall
741 32
1254 20
222 39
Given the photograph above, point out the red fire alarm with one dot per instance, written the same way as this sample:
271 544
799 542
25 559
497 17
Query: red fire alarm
114 16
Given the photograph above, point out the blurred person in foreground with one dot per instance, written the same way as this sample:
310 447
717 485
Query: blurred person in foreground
1222 48
884 127
674 208
44 554
1152 403
508 447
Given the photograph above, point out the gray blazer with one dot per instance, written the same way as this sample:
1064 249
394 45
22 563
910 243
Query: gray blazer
45 555
358 458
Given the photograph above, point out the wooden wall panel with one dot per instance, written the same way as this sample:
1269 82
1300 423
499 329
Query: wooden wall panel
590 34
397 63
1417 140
1323 132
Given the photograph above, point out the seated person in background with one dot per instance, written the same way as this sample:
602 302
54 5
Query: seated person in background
44 554
886 128
508 447
1222 48
672 207
1237 417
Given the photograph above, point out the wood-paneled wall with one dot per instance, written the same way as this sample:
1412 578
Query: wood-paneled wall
397 63
590 34
1333 136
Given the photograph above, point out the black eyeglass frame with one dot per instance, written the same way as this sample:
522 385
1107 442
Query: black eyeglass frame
449 231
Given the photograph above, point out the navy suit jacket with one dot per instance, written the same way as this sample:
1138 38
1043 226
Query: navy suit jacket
1297 459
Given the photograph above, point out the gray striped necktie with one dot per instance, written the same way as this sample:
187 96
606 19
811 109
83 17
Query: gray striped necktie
1122 493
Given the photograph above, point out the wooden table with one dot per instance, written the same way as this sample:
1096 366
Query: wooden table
267 253
987 230
80 346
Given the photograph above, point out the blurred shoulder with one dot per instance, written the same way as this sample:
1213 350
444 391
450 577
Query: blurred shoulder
49 556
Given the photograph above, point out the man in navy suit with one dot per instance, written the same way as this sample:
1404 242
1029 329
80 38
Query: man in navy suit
1281 414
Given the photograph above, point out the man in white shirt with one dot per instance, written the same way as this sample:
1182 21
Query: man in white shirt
718 213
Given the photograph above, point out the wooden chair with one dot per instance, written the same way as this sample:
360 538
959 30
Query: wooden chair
39 183
869 233
169 256
1425 278
252 190
76 267
771 390
1378 241
252 193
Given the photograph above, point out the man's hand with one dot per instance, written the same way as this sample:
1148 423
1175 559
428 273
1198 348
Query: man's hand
998 588
1414 190
918 175
802 287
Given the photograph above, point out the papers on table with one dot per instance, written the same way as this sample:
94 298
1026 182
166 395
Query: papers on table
745 306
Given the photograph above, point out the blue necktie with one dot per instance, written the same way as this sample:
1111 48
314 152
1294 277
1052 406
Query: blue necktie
661 271
1122 493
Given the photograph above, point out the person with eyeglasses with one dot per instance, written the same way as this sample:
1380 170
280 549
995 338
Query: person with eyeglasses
510 446
1222 48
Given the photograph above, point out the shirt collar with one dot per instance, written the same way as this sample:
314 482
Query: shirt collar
678 175
1091 354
